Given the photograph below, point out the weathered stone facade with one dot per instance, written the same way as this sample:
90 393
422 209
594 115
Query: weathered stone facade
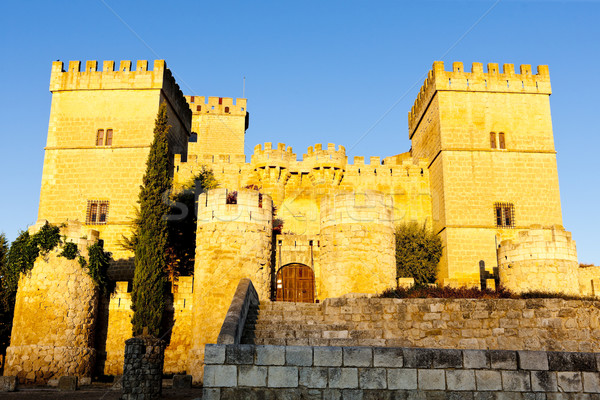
55 315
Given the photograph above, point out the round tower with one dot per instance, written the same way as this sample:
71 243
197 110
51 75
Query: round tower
55 315
357 244
233 241
326 165
540 259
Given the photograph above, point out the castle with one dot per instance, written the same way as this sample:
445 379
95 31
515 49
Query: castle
481 173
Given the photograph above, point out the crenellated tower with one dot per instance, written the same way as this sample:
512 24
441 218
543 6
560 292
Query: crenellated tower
492 163
218 124
100 131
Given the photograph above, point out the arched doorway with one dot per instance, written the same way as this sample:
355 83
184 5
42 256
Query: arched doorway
296 282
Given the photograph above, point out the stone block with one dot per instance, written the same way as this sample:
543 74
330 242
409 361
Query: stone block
332 394
447 358
418 358
516 381
239 354
591 382
211 394
85 381
458 395
563 361
358 357
387 357
402 379
270 355
503 359
372 378
67 383
280 377
299 356
182 382
488 380
476 359
327 356
220 375
431 379
8 383
543 381
569 382
343 378
252 375
214 354
460 380
352 394
313 377
533 360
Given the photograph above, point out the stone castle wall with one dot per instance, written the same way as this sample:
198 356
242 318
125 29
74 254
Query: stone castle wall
539 259
589 281
119 328
55 315
233 241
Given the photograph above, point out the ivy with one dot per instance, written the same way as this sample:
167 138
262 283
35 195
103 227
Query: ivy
69 251
46 239
97 266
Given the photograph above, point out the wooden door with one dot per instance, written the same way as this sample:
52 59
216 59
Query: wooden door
296 282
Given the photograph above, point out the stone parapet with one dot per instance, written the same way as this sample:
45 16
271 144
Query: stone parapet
241 371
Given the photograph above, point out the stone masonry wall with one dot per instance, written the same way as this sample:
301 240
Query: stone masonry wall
589 281
55 315
119 328
293 372
502 324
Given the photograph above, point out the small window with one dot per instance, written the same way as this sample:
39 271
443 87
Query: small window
109 135
192 99
493 140
198 108
226 109
100 137
505 215
97 212
193 138
220 100
501 142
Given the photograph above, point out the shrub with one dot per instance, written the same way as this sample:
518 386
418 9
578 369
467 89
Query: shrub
418 252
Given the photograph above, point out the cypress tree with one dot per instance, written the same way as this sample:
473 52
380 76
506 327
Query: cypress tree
148 295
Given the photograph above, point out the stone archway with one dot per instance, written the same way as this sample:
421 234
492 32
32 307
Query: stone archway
296 282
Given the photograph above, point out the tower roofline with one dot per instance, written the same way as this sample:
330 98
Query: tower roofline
438 79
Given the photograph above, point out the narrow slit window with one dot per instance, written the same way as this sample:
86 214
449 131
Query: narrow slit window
226 109
493 140
501 142
100 137
109 137
198 108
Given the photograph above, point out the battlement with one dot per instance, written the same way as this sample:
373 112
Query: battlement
478 81
282 155
245 205
124 78
326 157
217 105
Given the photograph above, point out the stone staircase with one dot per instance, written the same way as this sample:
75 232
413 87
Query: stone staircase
305 324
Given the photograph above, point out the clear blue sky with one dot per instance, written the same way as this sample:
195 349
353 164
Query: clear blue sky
316 72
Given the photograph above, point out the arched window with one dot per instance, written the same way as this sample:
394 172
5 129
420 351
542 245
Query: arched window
501 142
100 137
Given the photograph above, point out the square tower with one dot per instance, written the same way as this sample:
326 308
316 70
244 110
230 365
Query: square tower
100 131
492 164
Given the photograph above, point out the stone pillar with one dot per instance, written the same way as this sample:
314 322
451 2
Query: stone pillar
233 241
142 370
357 244
55 315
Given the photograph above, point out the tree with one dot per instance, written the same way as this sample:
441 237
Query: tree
148 295
418 252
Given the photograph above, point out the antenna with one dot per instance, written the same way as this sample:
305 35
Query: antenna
244 89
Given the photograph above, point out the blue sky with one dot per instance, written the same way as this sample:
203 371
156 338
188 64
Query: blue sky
316 72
